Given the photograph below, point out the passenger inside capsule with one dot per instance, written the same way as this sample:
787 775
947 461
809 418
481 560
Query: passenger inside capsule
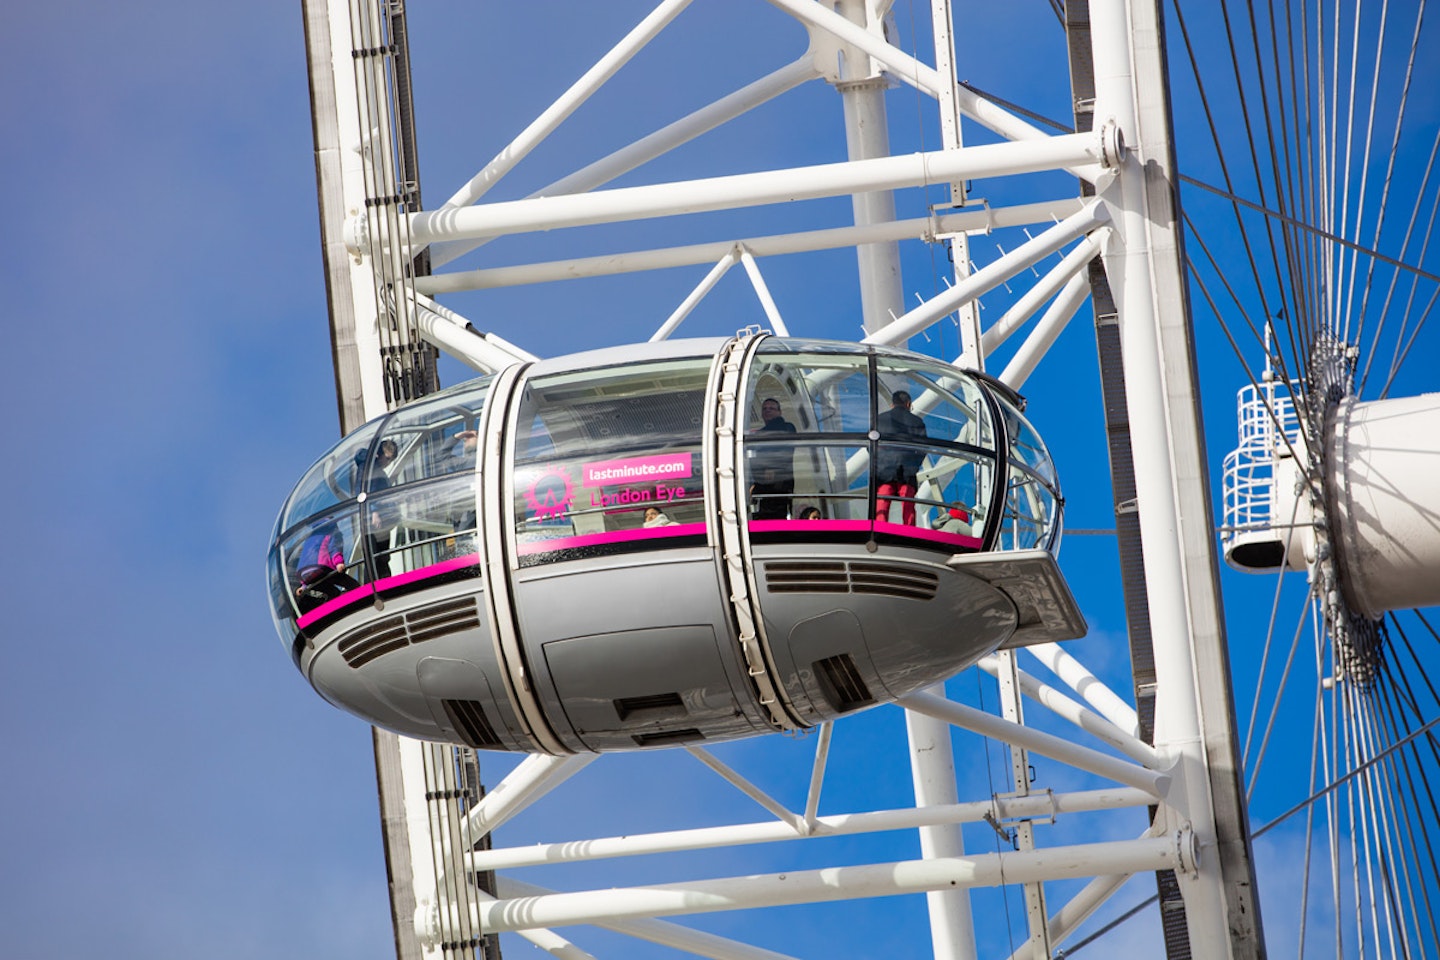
320 563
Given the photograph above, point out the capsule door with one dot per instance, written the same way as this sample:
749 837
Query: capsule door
866 471
607 521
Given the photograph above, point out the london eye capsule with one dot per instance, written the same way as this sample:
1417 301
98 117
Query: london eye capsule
675 542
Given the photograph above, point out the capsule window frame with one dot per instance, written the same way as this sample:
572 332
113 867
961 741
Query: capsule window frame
987 412
569 458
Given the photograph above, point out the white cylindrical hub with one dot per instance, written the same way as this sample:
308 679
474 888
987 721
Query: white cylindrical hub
1382 476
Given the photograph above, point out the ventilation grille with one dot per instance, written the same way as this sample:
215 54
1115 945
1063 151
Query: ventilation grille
468 719
839 576
842 684
376 640
667 736
655 703
402 629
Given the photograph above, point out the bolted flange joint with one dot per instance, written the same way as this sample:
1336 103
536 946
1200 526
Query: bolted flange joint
427 924
1112 145
355 232
1187 851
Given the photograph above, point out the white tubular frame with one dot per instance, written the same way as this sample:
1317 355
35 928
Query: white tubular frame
1169 852
536 776
452 333
1153 782
1067 709
571 100
928 228
751 189
1074 294
660 142
1036 806
1090 688
659 931
848 49
1072 265
1026 255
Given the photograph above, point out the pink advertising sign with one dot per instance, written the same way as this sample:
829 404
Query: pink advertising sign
606 473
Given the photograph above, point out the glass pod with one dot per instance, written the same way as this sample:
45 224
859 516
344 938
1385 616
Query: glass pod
673 542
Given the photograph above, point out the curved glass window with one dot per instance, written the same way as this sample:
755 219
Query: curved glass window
436 436
393 499
610 458
420 505
415 527
919 446
795 390
334 479
809 391
936 461
949 403
1033 505
316 565
832 484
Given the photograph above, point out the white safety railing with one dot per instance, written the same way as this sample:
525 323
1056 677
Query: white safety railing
1268 428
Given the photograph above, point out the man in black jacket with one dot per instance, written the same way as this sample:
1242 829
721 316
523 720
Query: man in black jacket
772 466
896 466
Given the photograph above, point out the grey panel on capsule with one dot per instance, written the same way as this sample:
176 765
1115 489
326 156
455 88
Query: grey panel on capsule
645 686
564 602
462 700
833 664
630 592
372 665
917 622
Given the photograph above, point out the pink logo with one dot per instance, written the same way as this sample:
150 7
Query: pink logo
549 495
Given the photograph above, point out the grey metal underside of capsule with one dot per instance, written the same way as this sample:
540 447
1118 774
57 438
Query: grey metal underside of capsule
1045 608
671 674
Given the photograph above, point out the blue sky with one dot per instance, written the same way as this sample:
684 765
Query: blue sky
174 789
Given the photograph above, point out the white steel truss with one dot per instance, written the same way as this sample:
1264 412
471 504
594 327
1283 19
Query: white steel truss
375 247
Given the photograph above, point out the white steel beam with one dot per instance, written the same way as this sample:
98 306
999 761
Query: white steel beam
420 879
1013 709
340 161
662 141
1077 910
1072 264
762 290
817 776
702 289
659 931
752 189
452 333
351 122
907 69
932 772
1088 686
747 788
545 124
1100 764
867 136
772 831
1170 852
1143 263
992 274
1028 357
926 228
536 776
942 21
684 130
1067 709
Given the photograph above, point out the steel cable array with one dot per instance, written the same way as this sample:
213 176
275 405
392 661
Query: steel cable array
1319 99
